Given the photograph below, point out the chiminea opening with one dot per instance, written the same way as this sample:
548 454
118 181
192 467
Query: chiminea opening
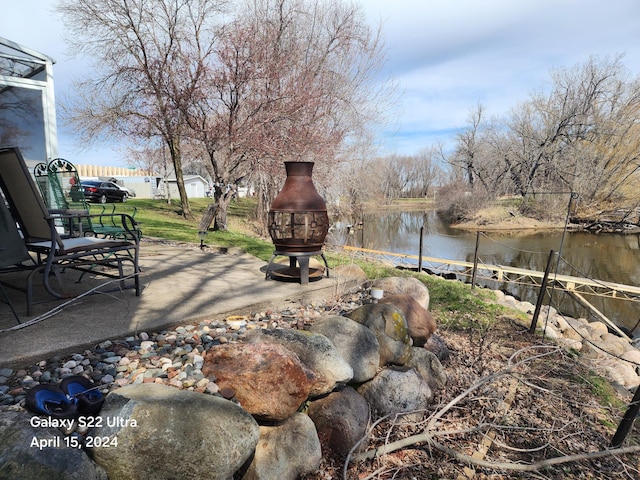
298 222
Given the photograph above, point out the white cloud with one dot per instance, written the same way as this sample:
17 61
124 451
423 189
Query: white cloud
447 55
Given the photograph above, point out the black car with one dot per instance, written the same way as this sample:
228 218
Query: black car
103 192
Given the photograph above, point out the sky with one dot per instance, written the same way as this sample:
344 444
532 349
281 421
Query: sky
447 56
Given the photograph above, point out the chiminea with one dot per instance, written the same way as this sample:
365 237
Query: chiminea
298 220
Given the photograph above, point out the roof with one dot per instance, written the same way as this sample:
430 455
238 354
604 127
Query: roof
19 61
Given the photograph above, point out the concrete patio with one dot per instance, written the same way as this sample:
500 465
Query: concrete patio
179 286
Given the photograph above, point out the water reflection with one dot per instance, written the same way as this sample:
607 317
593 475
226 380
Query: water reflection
609 257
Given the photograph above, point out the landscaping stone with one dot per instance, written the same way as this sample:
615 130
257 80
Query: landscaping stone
341 419
163 432
420 321
315 351
286 451
180 357
390 327
355 343
269 381
395 391
427 365
404 285
32 452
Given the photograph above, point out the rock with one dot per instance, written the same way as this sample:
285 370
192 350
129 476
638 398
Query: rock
577 329
509 301
571 344
632 356
395 391
618 344
589 350
597 329
163 432
390 328
436 345
552 332
341 420
610 346
315 351
420 321
269 381
21 459
427 365
350 271
286 451
404 285
621 372
355 343
526 307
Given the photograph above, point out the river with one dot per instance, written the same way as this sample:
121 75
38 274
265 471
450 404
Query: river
606 257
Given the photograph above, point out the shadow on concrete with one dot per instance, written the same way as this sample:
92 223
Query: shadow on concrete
179 286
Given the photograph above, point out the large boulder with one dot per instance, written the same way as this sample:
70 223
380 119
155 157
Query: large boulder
355 343
390 328
341 419
160 432
438 347
350 271
420 321
315 351
427 365
286 451
404 286
269 381
396 391
30 452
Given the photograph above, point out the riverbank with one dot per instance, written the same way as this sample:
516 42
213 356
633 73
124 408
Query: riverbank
502 218
498 217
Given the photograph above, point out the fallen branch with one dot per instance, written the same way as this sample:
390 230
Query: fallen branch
430 434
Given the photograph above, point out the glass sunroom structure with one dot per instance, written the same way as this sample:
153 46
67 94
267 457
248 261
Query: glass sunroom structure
27 102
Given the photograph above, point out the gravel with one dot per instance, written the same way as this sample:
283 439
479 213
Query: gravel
173 357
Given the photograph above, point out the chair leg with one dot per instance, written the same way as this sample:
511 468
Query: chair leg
8 302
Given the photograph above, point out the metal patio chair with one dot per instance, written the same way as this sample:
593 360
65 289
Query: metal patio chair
54 250
14 256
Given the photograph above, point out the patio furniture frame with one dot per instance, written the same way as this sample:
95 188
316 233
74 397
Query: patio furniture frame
55 251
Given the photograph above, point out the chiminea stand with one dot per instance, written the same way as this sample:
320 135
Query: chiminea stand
293 273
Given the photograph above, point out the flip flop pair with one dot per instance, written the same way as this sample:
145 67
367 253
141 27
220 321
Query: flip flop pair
74 396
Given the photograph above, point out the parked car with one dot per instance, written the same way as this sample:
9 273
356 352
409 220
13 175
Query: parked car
103 192
130 193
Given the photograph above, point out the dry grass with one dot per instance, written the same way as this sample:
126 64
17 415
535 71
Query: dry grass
501 217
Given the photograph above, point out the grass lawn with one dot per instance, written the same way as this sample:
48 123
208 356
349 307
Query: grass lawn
158 219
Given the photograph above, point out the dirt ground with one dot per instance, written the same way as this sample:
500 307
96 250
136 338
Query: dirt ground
501 218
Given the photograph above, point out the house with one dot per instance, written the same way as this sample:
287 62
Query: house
195 185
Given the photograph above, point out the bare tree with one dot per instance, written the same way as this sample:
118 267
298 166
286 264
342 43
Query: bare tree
468 143
427 171
549 130
148 59
293 80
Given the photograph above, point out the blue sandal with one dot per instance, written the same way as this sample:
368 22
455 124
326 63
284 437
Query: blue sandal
50 400
89 399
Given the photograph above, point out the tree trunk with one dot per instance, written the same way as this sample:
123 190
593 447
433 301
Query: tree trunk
174 151
223 202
